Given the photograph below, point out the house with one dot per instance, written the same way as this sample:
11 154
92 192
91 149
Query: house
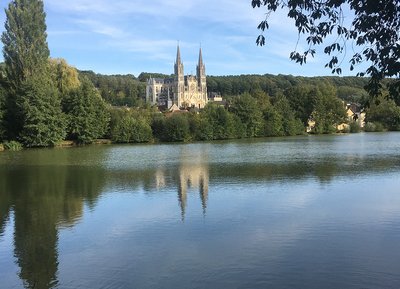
217 99
355 113
310 125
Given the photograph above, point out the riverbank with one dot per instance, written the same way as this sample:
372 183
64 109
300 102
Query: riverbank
16 146
70 143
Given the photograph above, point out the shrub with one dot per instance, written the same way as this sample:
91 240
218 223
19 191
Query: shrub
12 146
346 130
177 129
354 127
373 127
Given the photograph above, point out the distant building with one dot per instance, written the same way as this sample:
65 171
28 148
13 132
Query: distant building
310 125
183 91
355 113
217 99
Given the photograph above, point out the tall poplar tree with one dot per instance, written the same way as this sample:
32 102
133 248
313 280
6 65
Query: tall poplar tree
2 104
33 102
25 40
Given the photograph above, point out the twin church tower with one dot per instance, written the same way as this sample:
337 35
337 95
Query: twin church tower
184 91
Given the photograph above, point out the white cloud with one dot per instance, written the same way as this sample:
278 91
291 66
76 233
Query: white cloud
121 7
146 34
63 32
102 28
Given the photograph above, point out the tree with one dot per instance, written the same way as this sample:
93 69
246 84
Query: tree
40 111
118 90
87 113
247 109
263 99
121 132
141 131
302 100
2 112
290 124
25 47
158 125
386 113
65 76
273 125
329 111
177 128
33 106
200 127
127 126
374 29
222 123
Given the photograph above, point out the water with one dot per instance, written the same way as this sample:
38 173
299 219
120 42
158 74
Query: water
303 212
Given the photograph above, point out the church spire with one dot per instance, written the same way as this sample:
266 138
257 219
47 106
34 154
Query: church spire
201 69
178 66
200 59
178 56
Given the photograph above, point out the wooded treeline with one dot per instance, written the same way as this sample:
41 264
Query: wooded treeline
121 90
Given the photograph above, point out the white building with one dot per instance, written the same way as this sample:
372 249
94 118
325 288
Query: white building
183 91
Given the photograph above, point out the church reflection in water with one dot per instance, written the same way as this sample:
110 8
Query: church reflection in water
189 176
193 176
39 200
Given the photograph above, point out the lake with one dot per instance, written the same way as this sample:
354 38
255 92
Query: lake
301 212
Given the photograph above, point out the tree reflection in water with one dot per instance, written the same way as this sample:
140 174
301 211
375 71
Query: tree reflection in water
47 190
50 193
44 197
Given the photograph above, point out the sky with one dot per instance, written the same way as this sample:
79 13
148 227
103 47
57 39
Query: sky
134 36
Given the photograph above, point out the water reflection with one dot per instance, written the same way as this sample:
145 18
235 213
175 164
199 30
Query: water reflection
44 191
193 176
192 173
44 195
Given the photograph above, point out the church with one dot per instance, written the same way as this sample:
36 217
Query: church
183 91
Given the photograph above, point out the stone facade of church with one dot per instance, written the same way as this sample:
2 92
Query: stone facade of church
184 91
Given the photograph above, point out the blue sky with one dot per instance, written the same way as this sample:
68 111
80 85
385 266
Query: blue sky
133 36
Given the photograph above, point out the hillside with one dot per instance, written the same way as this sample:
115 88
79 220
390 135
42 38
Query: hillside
129 90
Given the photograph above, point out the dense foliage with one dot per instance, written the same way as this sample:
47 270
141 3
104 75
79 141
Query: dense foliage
348 88
43 100
39 108
86 112
65 76
2 112
130 126
33 111
25 47
383 114
373 33
118 90
247 115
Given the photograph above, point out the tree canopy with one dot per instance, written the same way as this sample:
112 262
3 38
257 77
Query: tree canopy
87 113
374 34
33 106
118 90
25 47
